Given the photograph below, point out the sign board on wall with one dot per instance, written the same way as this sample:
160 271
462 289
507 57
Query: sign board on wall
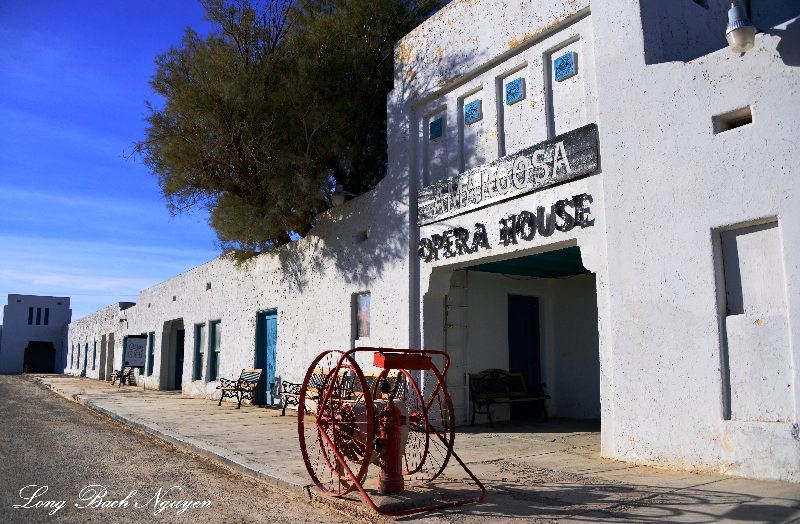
136 351
565 157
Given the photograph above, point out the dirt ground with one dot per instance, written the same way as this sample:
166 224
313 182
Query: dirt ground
85 460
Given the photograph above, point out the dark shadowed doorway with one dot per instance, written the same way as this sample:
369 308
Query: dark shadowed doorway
523 344
41 357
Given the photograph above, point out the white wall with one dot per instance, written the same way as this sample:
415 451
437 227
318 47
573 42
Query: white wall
310 282
667 188
17 333
671 184
90 331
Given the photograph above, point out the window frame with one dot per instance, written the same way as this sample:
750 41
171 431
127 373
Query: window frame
214 349
199 350
362 335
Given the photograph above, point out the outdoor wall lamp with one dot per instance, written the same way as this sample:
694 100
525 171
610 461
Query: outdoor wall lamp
337 197
741 33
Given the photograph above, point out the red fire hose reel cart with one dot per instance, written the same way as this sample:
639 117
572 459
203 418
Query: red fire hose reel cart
400 419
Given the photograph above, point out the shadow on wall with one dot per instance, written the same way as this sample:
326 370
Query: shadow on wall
682 30
336 249
337 244
688 29
789 46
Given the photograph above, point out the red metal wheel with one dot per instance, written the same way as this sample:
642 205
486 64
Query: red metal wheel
431 428
440 423
335 423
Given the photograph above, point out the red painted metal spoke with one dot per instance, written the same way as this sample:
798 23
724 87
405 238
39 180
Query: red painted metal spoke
439 425
336 422
335 435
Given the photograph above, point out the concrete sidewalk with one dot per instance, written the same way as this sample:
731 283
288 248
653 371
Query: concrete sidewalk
533 473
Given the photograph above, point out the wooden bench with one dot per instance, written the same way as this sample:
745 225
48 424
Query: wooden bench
290 391
497 386
123 376
245 388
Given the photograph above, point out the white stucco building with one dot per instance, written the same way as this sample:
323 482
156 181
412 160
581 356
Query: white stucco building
33 332
597 194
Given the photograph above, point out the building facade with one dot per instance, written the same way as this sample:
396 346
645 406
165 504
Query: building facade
596 194
33 333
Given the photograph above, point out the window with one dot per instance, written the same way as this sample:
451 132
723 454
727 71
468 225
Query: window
435 129
362 315
216 334
94 354
30 316
46 315
72 356
199 350
151 342
38 316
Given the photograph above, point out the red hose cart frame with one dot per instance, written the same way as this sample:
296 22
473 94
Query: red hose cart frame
338 427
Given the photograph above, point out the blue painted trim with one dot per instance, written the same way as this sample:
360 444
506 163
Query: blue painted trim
564 66
199 351
267 352
515 91
473 111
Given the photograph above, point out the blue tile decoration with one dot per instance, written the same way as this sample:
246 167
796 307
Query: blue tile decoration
472 112
435 129
564 66
515 91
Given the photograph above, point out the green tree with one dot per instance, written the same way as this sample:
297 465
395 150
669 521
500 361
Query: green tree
280 101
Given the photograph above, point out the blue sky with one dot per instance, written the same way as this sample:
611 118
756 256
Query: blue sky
77 218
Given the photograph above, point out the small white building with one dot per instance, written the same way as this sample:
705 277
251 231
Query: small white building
33 332
597 194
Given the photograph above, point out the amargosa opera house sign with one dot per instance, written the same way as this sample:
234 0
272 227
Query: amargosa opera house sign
562 216
563 158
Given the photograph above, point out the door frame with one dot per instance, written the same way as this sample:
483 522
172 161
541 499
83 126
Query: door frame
267 387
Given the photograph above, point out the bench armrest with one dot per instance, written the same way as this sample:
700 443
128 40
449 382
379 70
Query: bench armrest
291 388
227 383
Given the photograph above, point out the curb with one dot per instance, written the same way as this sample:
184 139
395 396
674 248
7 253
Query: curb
266 476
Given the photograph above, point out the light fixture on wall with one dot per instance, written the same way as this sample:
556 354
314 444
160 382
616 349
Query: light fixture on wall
741 32
337 197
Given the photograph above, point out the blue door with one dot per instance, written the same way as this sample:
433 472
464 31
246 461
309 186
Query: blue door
266 352
523 344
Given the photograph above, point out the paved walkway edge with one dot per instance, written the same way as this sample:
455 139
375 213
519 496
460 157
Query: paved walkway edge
264 475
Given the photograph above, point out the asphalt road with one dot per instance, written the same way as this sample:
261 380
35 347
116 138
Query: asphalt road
59 462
